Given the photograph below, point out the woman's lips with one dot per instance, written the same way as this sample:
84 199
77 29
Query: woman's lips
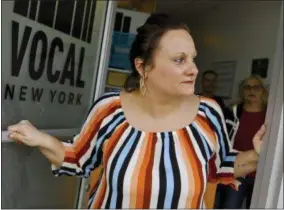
188 82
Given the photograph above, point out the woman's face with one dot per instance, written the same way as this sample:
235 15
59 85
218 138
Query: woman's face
174 71
253 91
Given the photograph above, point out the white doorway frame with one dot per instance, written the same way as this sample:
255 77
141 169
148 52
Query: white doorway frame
270 167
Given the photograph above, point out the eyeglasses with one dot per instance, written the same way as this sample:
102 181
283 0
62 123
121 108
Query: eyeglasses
252 87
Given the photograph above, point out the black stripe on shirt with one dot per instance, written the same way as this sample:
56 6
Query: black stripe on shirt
162 177
123 169
112 167
176 173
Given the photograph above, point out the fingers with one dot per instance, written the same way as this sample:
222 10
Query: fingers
18 137
262 130
260 133
25 122
16 128
19 127
263 127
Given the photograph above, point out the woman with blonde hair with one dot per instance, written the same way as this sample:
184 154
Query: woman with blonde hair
246 118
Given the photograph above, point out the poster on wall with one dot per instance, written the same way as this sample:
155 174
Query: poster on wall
147 6
226 76
48 62
260 67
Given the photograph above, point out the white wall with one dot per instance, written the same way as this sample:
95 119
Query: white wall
239 31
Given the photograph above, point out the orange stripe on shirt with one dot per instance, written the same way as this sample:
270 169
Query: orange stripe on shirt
186 152
141 187
135 182
99 198
204 125
148 177
93 127
83 143
196 170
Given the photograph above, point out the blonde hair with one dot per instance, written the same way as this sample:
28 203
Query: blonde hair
264 90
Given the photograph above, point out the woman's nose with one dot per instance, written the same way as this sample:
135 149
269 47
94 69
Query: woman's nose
191 69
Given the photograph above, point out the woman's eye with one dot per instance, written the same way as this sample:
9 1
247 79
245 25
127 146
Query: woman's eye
179 60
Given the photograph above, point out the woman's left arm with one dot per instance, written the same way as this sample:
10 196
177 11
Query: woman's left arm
246 162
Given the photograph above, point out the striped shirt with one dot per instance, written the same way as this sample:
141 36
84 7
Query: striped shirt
149 169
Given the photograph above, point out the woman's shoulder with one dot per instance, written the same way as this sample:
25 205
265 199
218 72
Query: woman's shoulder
209 103
109 100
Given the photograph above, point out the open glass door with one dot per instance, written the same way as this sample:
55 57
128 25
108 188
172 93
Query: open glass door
52 69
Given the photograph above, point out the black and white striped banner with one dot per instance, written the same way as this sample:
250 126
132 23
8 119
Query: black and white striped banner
72 17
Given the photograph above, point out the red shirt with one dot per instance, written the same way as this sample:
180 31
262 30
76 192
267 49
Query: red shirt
250 123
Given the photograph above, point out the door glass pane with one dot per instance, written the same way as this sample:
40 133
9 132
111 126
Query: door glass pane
49 69
49 63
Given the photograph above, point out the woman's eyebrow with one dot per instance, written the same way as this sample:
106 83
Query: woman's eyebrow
186 54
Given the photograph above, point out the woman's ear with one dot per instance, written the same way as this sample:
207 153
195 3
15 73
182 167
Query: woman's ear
139 66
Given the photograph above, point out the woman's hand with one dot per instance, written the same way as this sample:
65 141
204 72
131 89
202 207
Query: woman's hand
24 132
257 139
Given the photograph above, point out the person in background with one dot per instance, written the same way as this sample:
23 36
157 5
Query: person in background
158 143
209 82
246 118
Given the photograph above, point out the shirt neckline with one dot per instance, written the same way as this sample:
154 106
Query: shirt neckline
158 132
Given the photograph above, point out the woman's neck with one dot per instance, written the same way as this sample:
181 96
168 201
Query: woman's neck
254 107
159 105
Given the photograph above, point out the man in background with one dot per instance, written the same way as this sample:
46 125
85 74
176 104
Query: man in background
208 83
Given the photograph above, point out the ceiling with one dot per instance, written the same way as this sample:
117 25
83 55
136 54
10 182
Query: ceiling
186 8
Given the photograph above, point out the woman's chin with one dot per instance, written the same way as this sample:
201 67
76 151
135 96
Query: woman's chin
187 92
